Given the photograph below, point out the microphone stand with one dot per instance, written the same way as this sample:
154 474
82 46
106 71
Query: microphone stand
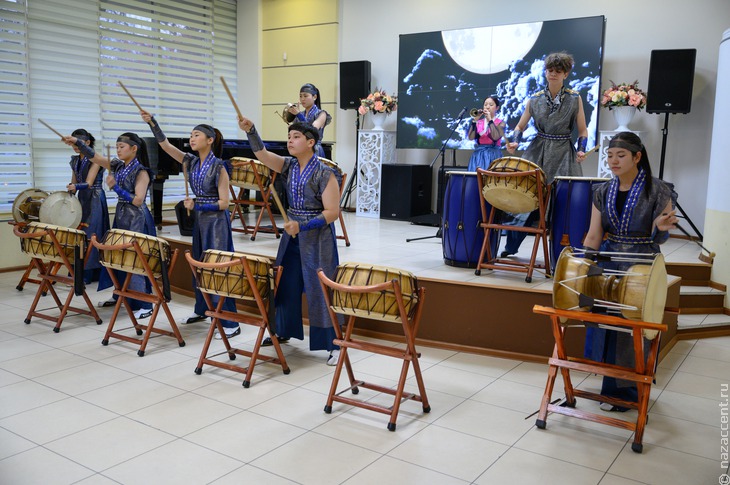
442 154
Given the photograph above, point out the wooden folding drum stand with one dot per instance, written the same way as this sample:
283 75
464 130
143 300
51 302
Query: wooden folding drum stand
343 180
487 260
50 248
250 174
380 301
642 373
244 277
122 250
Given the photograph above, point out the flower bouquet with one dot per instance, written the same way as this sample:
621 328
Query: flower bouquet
378 102
624 95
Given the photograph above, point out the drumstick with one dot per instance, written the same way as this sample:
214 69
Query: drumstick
592 149
50 127
230 96
279 205
185 181
130 96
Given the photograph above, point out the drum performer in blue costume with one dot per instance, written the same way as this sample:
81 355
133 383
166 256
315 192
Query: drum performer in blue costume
86 182
313 113
209 180
309 241
129 177
634 213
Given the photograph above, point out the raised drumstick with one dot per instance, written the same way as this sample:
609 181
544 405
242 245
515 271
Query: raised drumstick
230 96
130 96
185 178
50 127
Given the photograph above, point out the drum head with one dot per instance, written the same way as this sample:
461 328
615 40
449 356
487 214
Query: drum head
511 200
27 205
61 209
570 277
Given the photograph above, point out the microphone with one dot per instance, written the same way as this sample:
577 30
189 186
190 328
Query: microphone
463 110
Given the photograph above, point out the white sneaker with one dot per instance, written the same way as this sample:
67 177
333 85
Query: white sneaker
192 318
333 358
143 313
230 332
106 303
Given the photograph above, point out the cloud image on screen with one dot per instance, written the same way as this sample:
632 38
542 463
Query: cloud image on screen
441 73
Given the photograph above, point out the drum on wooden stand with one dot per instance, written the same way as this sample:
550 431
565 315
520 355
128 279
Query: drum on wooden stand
461 236
27 205
570 217
231 281
61 209
128 260
517 194
248 173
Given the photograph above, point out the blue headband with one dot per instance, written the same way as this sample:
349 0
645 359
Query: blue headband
208 131
128 141
309 88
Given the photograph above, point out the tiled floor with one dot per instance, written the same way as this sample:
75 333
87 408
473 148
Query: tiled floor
74 411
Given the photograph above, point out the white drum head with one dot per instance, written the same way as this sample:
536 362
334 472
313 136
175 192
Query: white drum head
27 204
61 209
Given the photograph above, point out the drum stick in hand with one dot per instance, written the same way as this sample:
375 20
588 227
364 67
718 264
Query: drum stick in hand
279 205
230 96
185 181
130 96
50 127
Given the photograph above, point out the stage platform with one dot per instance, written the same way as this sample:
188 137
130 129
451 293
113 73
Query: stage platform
489 314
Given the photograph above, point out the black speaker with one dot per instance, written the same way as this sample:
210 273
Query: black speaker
354 83
185 222
405 191
671 76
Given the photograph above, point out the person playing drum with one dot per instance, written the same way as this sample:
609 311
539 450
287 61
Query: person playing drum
86 182
309 241
312 114
555 112
633 212
209 179
129 177
488 131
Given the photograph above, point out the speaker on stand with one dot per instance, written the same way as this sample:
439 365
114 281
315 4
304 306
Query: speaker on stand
671 79
354 85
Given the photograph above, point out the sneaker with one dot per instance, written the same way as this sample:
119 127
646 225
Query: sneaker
230 332
611 408
333 358
109 302
192 318
143 313
268 343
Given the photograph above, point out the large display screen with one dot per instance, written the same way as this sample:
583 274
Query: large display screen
441 73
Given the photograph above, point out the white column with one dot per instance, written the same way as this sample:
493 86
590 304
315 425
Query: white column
375 147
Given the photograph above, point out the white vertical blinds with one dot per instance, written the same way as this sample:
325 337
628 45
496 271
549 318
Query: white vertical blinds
15 142
62 60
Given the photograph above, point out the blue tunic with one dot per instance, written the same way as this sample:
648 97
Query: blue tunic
212 229
314 112
131 218
94 210
629 232
302 256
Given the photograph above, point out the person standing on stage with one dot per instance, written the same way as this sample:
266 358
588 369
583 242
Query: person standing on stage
209 179
555 111
309 240
129 177
488 131
634 213
313 113
86 182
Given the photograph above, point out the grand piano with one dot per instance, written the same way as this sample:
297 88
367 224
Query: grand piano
164 166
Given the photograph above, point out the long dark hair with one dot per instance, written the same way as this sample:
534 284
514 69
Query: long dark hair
141 150
312 89
631 142
81 133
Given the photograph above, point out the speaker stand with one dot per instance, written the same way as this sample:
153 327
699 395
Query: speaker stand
441 188
665 132
352 183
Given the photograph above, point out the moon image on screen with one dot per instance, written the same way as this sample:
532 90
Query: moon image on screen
487 50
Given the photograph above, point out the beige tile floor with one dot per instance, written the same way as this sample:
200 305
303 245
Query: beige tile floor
74 411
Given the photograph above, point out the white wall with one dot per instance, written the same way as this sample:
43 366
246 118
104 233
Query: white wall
633 29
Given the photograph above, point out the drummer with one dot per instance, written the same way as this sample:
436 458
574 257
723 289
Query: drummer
309 241
488 131
86 182
312 113
555 111
209 179
129 177
634 213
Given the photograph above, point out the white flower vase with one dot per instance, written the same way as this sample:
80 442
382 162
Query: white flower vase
623 116
378 120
